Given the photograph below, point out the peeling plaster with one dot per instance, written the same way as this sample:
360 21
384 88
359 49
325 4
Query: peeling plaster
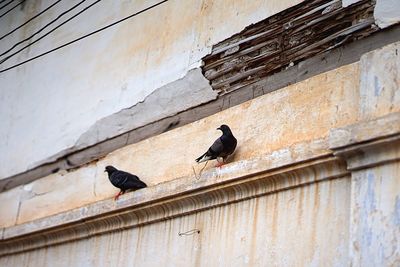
64 162
379 83
106 73
192 90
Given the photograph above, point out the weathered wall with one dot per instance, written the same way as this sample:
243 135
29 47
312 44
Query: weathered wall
310 221
372 152
284 121
294 115
67 92
313 182
129 70
377 212
328 194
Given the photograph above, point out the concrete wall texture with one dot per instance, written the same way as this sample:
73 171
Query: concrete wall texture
315 180
105 73
240 234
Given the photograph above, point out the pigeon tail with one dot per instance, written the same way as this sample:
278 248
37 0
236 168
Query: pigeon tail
141 184
203 158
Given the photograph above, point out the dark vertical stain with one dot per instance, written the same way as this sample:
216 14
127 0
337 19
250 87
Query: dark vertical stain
254 215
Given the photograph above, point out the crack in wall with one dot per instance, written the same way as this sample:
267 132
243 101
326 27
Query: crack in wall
18 211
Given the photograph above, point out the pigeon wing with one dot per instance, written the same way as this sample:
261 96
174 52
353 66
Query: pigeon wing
118 178
133 182
229 143
213 152
216 149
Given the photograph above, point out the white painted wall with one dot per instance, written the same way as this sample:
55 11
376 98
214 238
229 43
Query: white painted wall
387 13
46 105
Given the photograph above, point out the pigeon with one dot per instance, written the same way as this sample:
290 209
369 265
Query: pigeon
123 180
222 147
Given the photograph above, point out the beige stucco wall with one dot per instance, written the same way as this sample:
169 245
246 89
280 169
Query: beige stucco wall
61 96
279 122
269 206
306 226
297 114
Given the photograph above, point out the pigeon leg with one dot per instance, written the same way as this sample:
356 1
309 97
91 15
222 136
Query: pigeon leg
220 163
117 195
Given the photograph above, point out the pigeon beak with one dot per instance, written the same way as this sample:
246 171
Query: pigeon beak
219 128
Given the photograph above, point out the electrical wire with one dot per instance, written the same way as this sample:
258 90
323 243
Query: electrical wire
2 1
29 20
8 11
41 29
84 36
6 4
43 36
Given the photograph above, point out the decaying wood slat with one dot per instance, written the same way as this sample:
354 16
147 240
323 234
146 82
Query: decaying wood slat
295 34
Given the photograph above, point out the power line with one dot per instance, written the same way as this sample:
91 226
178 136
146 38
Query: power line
2 1
41 29
29 20
20 3
6 4
43 36
84 36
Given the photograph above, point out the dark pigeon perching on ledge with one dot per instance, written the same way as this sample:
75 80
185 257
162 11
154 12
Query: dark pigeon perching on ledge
222 147
123 180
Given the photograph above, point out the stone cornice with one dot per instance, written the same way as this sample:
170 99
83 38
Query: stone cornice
369 143
299 165
282 170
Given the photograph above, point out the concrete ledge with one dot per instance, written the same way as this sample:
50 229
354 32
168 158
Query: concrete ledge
282 158
365 131
368 144
238 181
371 154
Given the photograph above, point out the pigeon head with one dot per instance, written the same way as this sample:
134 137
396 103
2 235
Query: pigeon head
225 129
110 169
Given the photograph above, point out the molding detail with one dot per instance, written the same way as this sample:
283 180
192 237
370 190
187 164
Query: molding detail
167 200
372 153
368 144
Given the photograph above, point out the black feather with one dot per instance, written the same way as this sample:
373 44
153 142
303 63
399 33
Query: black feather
124 180
224 146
